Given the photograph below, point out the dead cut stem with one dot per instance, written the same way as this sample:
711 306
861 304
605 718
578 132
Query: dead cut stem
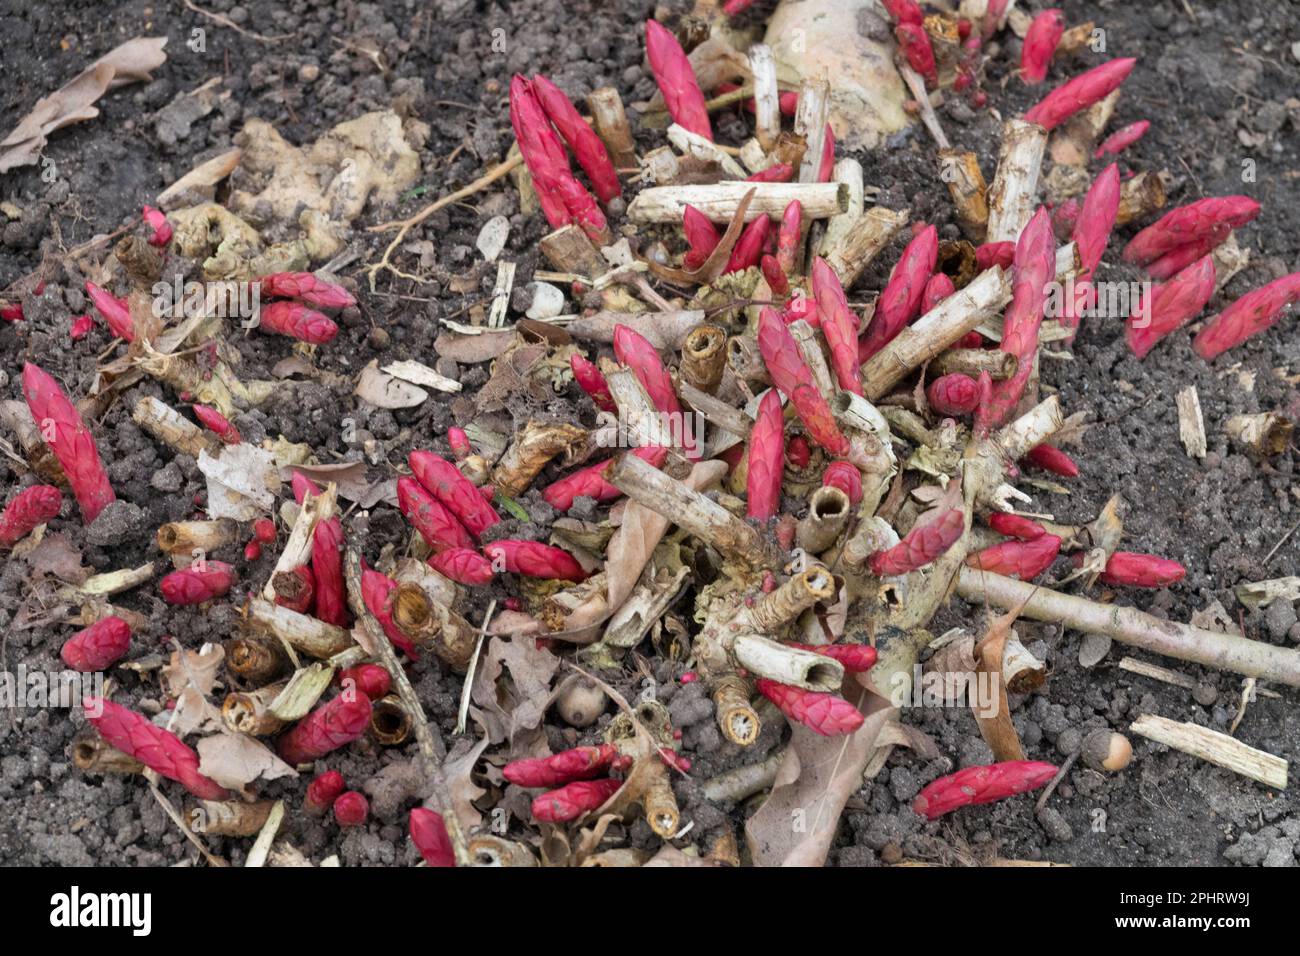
1137 628
704 356
528 454
692 511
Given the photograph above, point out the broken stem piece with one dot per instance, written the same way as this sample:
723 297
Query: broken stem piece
1137 628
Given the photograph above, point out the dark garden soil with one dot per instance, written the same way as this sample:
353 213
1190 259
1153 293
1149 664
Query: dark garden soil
1219 82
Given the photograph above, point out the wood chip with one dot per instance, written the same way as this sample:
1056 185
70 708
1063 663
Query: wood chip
419 374
1210 745
1191 426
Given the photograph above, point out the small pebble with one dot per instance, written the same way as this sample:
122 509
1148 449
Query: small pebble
1054 825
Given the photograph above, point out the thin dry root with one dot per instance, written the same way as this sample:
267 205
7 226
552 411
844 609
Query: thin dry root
737 720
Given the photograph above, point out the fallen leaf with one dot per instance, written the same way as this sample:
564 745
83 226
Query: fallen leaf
197 669
385 391
512 686
235 760
130 62
473 349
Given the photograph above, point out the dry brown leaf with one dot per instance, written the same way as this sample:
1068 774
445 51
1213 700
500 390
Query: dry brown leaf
458 781
55 555
131 61
198 669
235 760
194 714
512 686
797 823
353 481
630 548
385 391
473 349
996 729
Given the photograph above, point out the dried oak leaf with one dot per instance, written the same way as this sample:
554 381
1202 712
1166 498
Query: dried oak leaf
386 391
235 760
512 686
198 669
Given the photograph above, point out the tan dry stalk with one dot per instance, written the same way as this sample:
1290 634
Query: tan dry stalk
488 850
610 122
737 719
257 658
961 171
704 356
439 588
658 802
1014 191
764 657
719 201
185 537
297 550
828 513
250 712
92 754
429 623
745 360
1136 628
810 347
569 250
810 123
172 429
767 97
933 332
528 454
779 608
232 818
306 634
1000 365
1139 197
863 241
691 511
666 331
17 417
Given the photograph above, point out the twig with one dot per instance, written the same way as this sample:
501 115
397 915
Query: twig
1137 628
227 22
428 748
1052 784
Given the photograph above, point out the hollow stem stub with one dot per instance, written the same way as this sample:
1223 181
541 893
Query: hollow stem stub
737 719
764 657
828 512
390 722
183 537
704 356
776 609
